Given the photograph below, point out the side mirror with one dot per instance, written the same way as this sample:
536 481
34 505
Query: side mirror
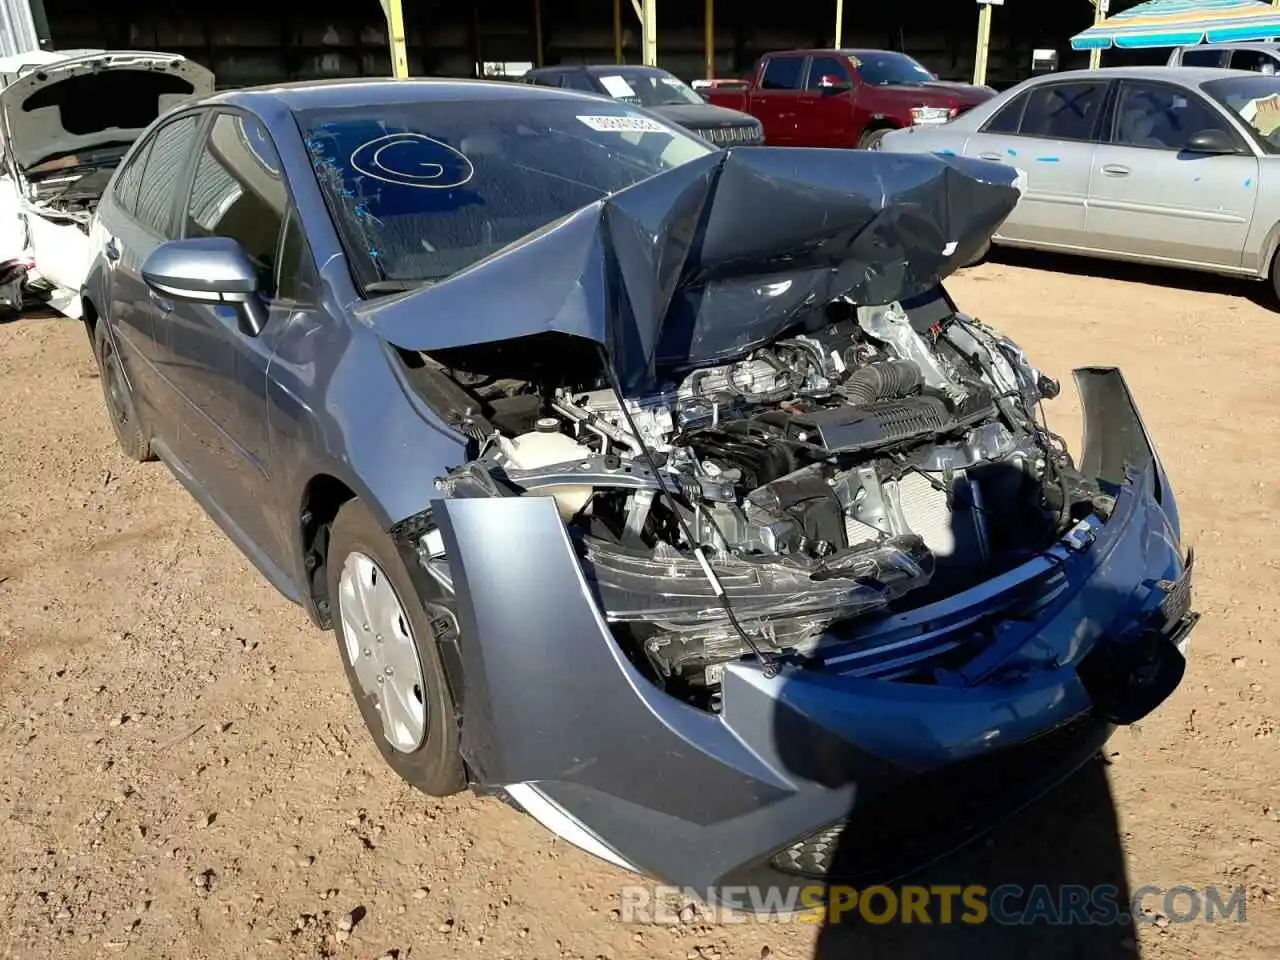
1211 141
830 83
208 270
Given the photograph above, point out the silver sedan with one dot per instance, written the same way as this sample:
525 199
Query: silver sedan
1175 166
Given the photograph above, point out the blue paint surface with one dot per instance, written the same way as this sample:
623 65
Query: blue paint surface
946 153
1047 160
1012 152
1248 183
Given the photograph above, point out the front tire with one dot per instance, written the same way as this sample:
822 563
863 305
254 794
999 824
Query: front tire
390 653
870 139
131 433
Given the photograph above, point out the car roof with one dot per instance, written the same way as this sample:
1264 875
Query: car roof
1188 76
592 68
1234 45
355 92
841 52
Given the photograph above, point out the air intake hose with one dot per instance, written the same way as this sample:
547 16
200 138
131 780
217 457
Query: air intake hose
887 380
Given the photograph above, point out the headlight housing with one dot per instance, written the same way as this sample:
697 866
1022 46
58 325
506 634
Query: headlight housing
933 114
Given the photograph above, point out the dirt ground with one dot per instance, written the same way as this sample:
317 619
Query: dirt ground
184 774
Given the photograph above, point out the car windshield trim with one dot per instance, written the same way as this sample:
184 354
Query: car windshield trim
1254 101
419 191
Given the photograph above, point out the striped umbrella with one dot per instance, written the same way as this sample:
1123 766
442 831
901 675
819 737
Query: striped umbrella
1176 23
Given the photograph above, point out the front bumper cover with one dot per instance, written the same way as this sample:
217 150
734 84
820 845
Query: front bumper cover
558 716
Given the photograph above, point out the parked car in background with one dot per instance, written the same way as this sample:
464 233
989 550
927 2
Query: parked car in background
66 120
662 93
1257 57
844 98
699 552
1165 165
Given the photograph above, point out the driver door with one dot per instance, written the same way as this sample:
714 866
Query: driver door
237 191
827 112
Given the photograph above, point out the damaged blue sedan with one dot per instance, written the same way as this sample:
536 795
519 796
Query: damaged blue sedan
660 490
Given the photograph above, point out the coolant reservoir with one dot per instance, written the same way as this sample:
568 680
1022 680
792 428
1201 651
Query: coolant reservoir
544 448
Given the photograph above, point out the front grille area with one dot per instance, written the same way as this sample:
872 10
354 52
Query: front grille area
745 135
949 805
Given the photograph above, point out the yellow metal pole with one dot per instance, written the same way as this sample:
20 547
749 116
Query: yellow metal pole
710 27
651 33
1100 14
984 45
537 29
617 31
395 33
839 24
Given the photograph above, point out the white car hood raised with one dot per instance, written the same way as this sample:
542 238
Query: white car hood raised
38 134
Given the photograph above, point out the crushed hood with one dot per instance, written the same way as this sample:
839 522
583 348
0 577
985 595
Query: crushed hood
711 259
93 100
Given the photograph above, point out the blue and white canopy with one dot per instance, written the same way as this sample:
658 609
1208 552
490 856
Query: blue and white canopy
1176 23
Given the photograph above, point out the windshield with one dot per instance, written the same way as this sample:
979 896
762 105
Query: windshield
1255 99
421 190
890 69
648 88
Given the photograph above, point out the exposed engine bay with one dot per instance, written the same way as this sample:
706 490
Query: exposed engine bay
872 459
70 197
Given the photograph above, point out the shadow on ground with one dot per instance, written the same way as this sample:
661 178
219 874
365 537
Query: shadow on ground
1172 278
1069 839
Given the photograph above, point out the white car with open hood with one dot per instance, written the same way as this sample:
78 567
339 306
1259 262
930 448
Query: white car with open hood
68 120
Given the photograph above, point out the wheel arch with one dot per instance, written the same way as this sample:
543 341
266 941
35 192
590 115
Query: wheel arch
322 497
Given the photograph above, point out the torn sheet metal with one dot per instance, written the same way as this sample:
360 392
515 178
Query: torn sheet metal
715 257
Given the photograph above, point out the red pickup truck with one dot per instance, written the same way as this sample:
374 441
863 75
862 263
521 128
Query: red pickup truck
842 98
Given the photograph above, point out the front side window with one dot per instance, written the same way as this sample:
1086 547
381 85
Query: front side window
832 67
782 73
238 192
1063 111
1255 99
421 190
1161 116
170 151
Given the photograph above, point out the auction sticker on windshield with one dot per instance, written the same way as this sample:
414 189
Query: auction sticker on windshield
617 87
624 125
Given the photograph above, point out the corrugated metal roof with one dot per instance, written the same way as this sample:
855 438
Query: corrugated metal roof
17 28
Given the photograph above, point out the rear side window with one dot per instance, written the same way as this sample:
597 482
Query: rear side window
1202 57
125 191
782 73
1063 111
577 81
170 149
238 192
1008 119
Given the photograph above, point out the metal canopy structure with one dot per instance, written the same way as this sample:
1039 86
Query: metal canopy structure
1176 23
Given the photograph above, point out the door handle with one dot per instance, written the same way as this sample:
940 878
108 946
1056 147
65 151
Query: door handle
990 156
112 249
1115 170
